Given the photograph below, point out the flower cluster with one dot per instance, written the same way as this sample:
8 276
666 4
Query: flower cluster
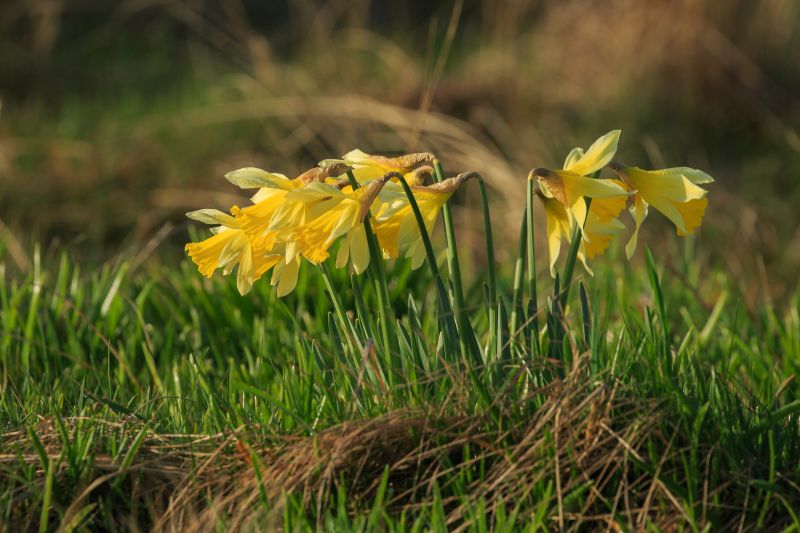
574 197
291 220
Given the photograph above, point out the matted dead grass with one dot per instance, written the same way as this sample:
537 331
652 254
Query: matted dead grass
587 439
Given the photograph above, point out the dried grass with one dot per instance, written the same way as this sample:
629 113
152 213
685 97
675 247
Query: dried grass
584 435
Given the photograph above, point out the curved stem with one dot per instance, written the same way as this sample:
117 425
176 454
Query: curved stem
379 278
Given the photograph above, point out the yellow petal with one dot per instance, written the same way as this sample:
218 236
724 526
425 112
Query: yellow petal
244 278
558 228
639 211
599 154
344 252
286 278
697 177
253 178
359 250
573 157
213 216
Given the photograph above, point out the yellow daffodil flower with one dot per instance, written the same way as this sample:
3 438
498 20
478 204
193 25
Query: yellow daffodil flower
601 225
228 248
257 219
345 219
395 224
571 185
366 167
672 191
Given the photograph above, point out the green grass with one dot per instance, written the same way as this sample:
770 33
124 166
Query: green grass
141 393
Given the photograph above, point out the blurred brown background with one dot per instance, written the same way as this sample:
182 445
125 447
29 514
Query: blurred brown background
117 117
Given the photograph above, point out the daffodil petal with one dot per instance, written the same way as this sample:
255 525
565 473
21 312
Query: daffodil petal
253 178
599 154
213 216
359 251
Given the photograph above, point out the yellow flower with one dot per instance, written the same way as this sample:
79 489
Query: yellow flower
672 191
601 225
366 167
395 224
228 248
258 220
571 185
344 219
284 274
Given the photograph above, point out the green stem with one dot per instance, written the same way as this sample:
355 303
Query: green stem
532 267
516 304
347 328
572 256
455 268
492 281
379 278
444 301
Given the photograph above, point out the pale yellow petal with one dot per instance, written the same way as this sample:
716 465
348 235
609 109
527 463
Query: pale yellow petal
359 250
599 154
288 279
253 178
639 212
213 216
344 252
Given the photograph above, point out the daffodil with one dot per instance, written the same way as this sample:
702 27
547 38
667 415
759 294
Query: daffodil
395 224
675 192
601 224
258 219
345 219
571 186
366 167
229 247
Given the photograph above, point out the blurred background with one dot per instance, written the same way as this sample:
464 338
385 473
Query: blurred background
118 117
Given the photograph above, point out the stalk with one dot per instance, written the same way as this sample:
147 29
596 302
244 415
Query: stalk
516 304
379 278
532 292
444 301
347 329
454 267
492 281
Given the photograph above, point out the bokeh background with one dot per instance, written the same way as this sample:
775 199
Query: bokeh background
118 117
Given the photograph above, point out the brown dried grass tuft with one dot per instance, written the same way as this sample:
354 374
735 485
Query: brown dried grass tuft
584 434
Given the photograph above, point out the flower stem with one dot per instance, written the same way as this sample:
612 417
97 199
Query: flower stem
466 338
492 281
347 327
533 302
379 278
451 333
516 303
